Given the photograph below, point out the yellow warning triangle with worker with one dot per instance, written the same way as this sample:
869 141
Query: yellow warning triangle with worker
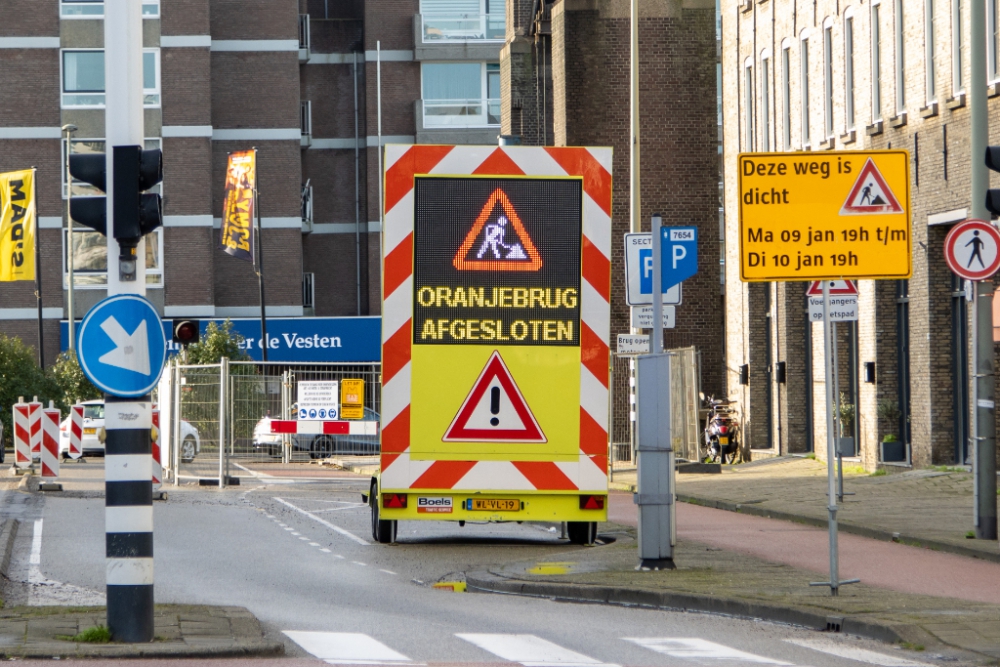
18 225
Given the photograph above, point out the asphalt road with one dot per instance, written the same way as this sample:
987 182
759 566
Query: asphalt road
300 557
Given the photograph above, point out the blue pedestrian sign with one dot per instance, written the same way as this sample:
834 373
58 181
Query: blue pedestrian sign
122 346
679 254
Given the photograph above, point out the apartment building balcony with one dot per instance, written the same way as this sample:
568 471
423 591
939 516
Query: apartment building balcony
458 36
458 121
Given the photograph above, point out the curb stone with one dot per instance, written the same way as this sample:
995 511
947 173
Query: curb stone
488 582
8 533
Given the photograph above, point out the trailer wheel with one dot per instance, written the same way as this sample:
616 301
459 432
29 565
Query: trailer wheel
383 532
582 532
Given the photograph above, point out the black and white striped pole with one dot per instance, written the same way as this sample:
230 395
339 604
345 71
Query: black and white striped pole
128 516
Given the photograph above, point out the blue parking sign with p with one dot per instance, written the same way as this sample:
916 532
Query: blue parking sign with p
679 259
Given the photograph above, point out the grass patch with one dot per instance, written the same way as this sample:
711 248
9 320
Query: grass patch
811 456
881 472
970 535
854 470
95 635
949 469
912 647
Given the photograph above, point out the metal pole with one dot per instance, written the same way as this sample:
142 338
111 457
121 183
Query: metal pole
837 426
265 344
831 490
634 203
69 130
378 100
223 376
176 414
985 471
38 269
357 188
656 337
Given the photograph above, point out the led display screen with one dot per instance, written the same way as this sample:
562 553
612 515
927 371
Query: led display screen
496 261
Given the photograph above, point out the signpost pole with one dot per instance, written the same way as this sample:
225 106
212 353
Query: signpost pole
831 486
656 339
984 460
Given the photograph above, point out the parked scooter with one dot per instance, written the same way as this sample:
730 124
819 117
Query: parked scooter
722 431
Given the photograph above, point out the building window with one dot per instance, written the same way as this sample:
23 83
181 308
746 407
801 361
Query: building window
804 92
876 64
90 259
849 70
446 21
83 78
94 9
786 96
461 94
765 102
956 47
900 60
930 80
828 77
748 103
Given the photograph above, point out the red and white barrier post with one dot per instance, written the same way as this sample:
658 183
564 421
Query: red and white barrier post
157 463
50 441
35 426
22 434
75 432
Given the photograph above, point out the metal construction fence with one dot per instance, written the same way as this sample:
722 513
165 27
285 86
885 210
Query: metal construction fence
685 386
211 415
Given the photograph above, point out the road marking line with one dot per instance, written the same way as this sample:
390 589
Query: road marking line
339 509
387 571
338 556
326 551
855 653
338 529
358 563
529 650
296 534
698 648
304 539
35 575
347 648
314 544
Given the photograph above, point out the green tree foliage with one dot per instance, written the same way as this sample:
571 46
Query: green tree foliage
73 384
216 343
21 376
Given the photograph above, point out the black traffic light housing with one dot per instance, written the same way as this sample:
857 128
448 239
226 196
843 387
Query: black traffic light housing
134 213
187 332
993 194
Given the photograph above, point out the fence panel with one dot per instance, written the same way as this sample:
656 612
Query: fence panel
198 438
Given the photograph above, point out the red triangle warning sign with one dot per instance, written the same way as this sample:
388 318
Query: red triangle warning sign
871 194
837 288
495 410
497 242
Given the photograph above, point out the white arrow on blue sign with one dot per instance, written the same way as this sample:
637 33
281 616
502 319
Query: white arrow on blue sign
122 346
679 261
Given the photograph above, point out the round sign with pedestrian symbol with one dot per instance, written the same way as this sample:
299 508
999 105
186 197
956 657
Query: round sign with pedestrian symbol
972 249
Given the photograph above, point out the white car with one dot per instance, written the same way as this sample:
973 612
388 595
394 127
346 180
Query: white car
93 422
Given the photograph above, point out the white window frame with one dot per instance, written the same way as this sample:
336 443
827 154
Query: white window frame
957 78
786 93
850 108
876 53
930 73
900 57
154 277
150 9
765 100
484 100
145 91
828 78
804 88
748 105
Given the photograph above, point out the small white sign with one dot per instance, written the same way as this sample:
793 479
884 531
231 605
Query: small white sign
639 270
842 308
642 317
633 344
319 401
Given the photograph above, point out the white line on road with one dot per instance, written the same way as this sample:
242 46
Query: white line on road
326 551
387 571
345 533
35 575
304 539
296 534
855 653
347 648
358 563
529 650
314 544
338 556
698 648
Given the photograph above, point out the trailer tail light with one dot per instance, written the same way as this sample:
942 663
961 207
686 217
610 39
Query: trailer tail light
723 429
592 502
394 501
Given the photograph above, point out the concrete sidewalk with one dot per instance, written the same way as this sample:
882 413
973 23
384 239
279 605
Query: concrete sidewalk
928 507
181 631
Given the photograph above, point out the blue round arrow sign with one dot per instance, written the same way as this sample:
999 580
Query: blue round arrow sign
121 346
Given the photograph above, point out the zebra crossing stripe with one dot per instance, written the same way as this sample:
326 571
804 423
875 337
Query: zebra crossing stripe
347 648
855 653
530 651
694 648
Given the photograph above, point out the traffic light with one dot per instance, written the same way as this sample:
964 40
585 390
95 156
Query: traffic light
993 194
187 331
134 212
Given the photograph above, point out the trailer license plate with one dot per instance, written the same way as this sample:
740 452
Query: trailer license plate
496 504
89 431
723 441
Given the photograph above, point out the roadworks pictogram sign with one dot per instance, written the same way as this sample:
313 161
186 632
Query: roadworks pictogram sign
498 240
870 194
495 410
837 288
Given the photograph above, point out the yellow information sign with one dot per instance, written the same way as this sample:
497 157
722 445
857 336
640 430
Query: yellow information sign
816 216
352 399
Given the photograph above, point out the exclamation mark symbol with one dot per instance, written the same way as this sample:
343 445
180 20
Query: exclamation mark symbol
495 405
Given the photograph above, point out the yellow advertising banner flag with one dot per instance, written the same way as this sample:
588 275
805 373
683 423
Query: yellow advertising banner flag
18 225
237 238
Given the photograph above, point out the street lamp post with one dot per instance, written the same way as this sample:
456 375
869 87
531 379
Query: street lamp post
68 131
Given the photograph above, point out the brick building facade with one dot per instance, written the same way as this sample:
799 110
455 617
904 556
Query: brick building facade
882 74
565 74
297 79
